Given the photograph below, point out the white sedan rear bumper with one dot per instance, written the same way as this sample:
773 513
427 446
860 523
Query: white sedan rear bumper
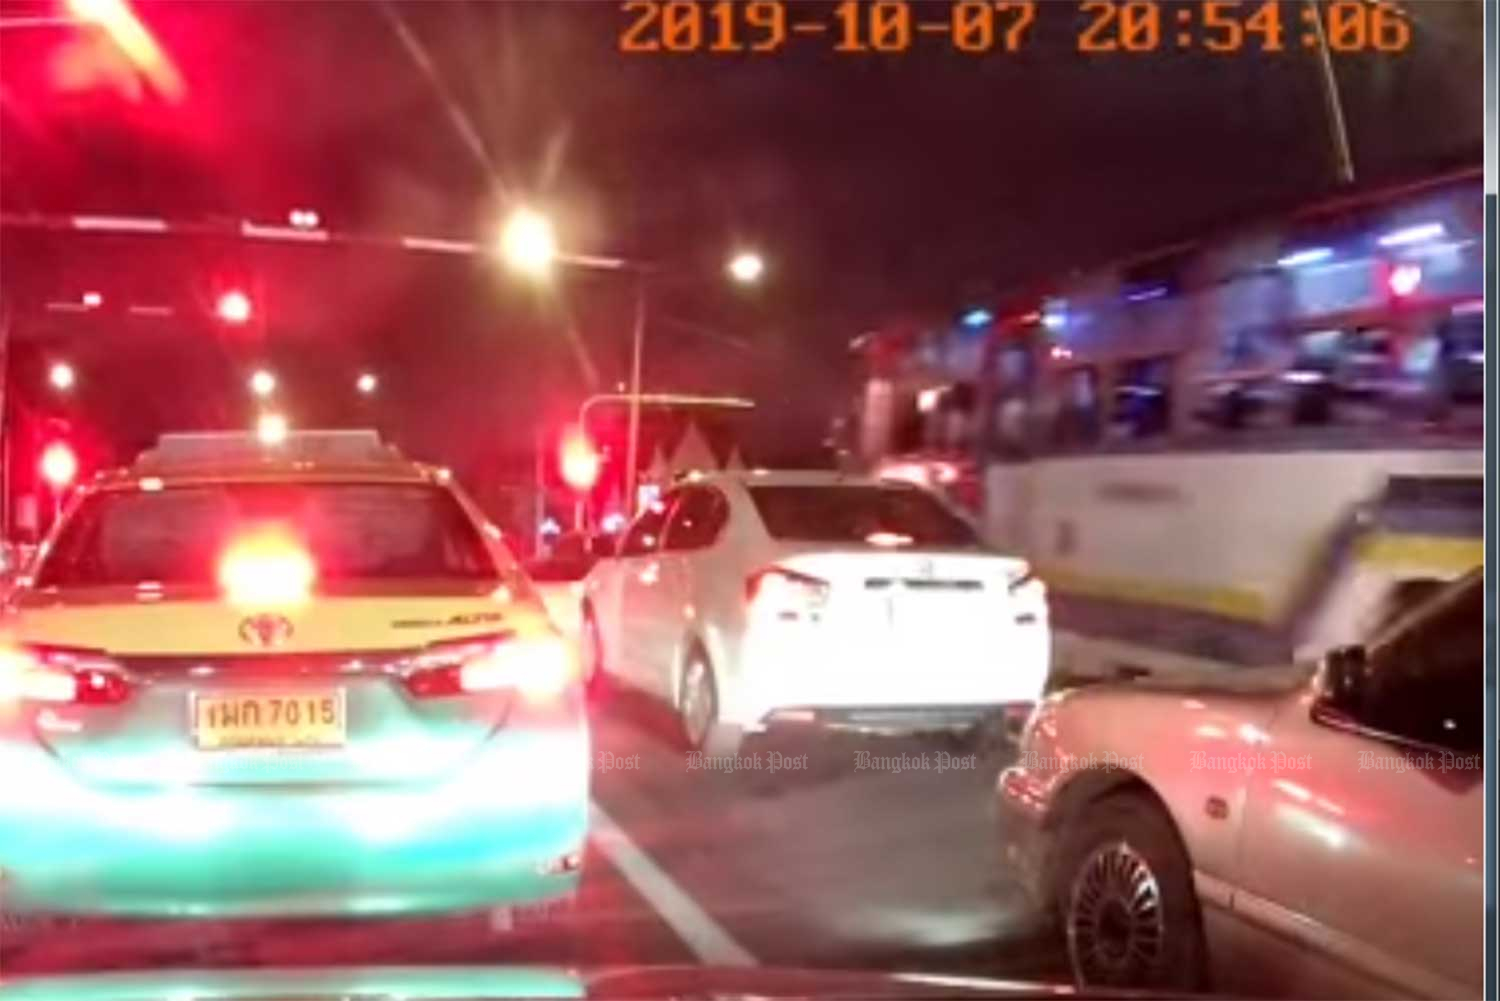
798 674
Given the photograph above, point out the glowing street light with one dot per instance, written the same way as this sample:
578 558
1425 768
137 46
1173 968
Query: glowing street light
262 383
528 243
122 26
234 307
366 383
271 429
59 465
746 267
61 376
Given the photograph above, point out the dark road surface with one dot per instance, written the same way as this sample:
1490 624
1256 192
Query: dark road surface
865 854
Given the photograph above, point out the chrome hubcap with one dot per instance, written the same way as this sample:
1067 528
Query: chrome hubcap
697 701
1116 925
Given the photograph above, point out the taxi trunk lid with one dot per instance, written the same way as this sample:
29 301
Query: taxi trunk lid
313 694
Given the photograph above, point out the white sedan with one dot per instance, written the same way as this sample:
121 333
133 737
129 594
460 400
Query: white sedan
752 600
1303 836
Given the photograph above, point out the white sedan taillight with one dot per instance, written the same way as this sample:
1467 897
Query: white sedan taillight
779 593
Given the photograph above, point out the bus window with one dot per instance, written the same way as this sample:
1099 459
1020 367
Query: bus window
1143 398
956 426
1241 392
1014 368
1366 363
1310 379
1010 415
1078 417
1461 358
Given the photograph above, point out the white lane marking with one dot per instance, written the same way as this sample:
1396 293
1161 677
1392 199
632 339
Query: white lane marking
702 934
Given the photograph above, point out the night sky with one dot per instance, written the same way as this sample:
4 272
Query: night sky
874 185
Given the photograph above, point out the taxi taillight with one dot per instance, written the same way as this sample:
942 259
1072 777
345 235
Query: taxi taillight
539 667
60 677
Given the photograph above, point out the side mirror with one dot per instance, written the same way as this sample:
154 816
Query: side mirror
1342 682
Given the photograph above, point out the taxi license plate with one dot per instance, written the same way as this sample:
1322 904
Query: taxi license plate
269 719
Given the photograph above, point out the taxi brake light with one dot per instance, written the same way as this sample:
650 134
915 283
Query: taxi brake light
59 678
266 568
538 667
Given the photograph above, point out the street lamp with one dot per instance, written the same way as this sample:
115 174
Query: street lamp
528 245
234 307
746 267
271 429
262 383
528 242
61 376
366 383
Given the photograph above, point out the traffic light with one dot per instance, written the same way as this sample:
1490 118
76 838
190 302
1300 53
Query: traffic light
234 306
579 460
59 465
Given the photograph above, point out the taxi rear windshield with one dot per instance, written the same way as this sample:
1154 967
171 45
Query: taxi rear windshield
352 532
855 514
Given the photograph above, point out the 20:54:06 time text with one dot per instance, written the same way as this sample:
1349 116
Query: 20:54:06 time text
1004 26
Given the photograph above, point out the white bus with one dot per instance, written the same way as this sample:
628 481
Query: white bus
1234 452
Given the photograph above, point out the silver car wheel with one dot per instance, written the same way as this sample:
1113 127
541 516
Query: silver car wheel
697 702
1116 923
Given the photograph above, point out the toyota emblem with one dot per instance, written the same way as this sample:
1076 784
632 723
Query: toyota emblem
266 630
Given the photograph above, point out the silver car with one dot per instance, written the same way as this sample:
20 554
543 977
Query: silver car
1317 834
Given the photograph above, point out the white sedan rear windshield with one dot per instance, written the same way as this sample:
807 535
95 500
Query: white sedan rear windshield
859 514
352 531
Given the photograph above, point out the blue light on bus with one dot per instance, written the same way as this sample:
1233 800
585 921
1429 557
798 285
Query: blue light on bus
1146 294
1408 235
1304 257
977 318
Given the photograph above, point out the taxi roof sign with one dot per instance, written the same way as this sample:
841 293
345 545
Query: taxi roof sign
202 448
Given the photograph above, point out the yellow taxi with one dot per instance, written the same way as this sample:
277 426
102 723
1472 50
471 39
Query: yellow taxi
307 678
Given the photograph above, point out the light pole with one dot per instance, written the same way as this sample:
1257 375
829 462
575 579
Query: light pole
1338 130
633 433
528 244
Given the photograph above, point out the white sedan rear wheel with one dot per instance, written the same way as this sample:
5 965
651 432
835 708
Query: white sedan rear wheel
698 710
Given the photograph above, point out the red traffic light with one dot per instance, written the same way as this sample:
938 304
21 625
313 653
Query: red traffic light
234 307
1404 279
59 465
579 460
